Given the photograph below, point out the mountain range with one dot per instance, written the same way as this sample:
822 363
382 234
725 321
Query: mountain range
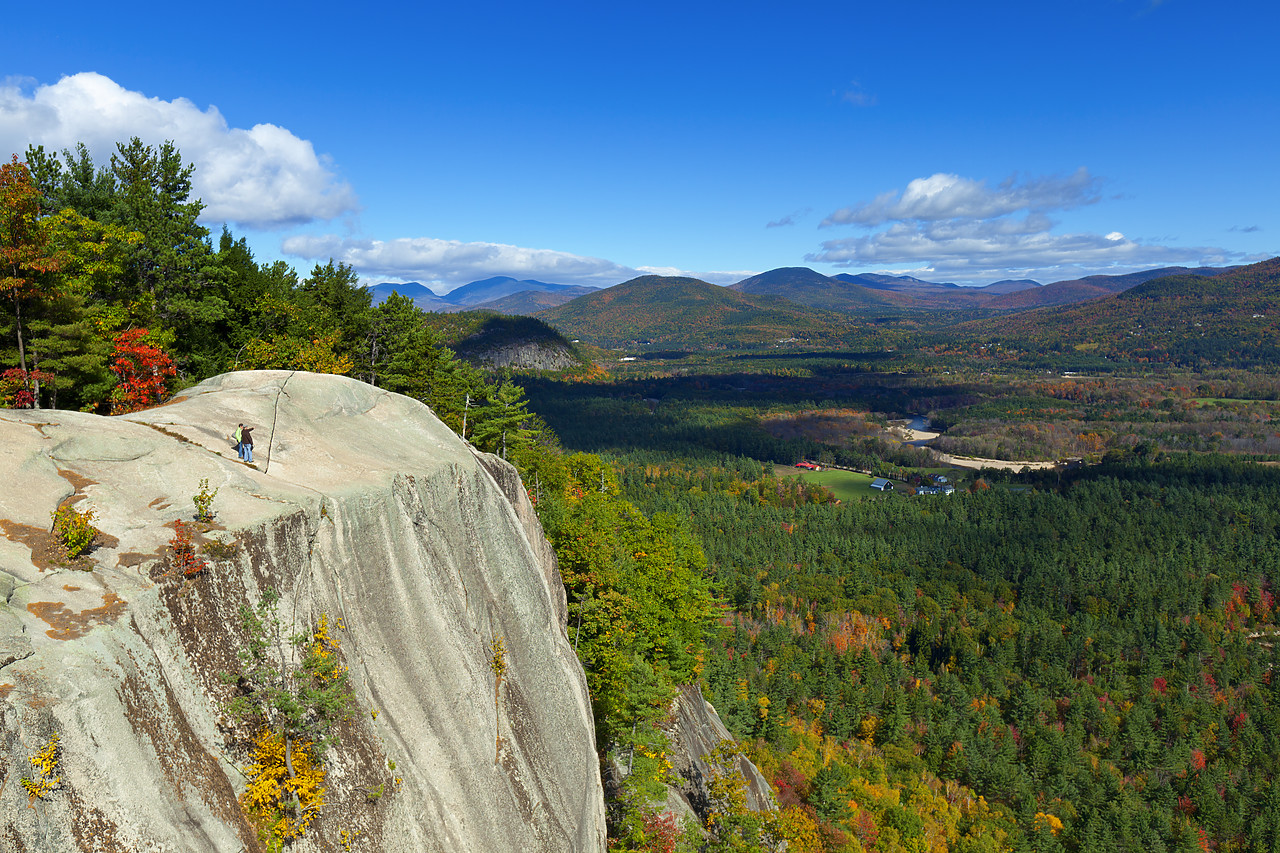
877 293
1201 316
904 294
500 293
1093 287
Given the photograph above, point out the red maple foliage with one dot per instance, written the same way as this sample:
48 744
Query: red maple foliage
18 387
864 827
185 558
790 784
661 831
144 371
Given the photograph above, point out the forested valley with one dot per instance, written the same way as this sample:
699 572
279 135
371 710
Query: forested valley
1082 666
1072 659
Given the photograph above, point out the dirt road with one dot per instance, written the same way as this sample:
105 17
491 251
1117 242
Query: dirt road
978 462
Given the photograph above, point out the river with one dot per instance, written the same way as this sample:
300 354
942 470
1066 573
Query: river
917 431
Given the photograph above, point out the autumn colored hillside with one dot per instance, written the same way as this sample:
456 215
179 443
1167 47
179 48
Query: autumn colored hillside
1230 320
671 311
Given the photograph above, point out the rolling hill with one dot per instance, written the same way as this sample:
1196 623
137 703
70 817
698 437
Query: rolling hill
677 312
999 288
807 287
1228 319
491 340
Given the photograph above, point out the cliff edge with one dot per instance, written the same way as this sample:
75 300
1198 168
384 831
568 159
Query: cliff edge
363 512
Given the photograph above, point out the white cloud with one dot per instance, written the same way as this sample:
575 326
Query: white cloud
673 271
984 250
723 277
262 177
962 230
453 263
944 196
446 264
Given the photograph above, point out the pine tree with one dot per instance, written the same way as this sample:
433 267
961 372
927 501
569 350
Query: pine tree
502 427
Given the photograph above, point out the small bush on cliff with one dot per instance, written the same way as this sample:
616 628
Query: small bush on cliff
45 764
74 530
295 689
286 787
498 665
638 821
220 548
203 500
296 683
732 824
144 372
183 557
651 830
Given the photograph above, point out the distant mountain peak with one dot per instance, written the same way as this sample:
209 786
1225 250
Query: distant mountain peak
497 287
422 296
1011 285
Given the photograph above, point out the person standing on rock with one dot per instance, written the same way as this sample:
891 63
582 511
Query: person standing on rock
236 437
246 443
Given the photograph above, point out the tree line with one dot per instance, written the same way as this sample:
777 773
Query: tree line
115 294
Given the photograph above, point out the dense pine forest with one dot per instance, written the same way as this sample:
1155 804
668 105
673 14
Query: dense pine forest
1091 657
1072 659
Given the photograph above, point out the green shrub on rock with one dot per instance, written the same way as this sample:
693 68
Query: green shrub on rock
74 530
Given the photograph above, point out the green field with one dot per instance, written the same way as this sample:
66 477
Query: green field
845 485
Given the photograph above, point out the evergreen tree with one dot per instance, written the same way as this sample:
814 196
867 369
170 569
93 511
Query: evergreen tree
88 189
501 426
153 188
401 350
332 300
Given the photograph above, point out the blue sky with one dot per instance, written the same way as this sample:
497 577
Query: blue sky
588 143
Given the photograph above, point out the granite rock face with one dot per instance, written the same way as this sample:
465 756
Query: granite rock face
361 506
525 355
695 731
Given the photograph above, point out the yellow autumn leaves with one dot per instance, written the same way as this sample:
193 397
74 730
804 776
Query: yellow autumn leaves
45 762
283 805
